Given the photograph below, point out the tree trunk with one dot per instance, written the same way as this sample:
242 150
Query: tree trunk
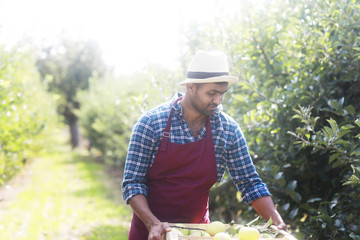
72 121
74 133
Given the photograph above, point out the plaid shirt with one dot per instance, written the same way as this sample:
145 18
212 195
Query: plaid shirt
231 151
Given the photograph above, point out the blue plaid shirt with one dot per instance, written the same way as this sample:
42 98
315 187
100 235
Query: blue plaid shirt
231 151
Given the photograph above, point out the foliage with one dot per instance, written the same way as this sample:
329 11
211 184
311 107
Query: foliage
25 110
298 104
112 106
68 66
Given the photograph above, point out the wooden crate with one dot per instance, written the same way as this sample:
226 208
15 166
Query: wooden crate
173 236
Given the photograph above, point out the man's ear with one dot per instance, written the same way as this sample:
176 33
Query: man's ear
190 88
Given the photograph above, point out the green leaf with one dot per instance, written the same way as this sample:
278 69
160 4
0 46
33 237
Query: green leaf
297 116
343 133
292 133
334 157
300 131
341 102
311 200
231 230
293 213
253 222
266 226
275 169
347 126
334 126
327 132
354 236
344 143
357 122
313 121
350 109
334 104
292 185
352 181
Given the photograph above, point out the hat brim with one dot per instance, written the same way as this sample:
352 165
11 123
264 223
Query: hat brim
228 79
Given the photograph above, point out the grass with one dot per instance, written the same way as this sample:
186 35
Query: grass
66 196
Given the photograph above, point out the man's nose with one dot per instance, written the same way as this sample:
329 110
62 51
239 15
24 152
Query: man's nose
218 99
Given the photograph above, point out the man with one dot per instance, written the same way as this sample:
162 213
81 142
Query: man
180 149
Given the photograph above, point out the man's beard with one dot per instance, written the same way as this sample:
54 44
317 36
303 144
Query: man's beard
204 111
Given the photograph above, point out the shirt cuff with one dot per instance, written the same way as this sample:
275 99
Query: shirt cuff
255 192
131 191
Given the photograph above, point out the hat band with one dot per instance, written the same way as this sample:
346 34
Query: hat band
203 75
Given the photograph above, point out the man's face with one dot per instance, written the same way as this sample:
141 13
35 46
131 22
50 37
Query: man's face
206 97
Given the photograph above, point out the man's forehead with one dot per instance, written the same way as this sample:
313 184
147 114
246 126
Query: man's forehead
221 86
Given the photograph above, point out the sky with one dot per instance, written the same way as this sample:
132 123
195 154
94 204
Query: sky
130 33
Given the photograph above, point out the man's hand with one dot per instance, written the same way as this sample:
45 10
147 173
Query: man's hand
157 230
265 207
282 226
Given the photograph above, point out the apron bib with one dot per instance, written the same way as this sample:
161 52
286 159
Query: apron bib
179 181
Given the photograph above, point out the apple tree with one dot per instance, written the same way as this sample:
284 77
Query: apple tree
66 68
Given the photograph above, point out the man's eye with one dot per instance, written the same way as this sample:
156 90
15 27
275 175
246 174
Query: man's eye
211 94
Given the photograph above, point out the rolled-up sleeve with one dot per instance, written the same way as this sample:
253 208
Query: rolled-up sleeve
139 159
242 170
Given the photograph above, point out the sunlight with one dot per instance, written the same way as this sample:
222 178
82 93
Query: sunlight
131 33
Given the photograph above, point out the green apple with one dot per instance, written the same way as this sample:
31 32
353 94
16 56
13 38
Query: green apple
195 233
199 233
222 236
185 231
205 234
177 232
215 227
248 233
266 235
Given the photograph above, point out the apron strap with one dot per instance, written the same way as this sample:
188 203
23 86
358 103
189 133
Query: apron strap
208 128
166 133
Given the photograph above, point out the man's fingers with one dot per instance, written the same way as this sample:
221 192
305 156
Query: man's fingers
166 227
282 226
157 232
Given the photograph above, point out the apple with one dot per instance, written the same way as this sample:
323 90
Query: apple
198 233
215 227
185 231
222 236
177 232
195 233
248 233
266 235
205 234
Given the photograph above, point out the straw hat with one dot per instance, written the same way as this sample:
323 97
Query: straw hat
206 67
